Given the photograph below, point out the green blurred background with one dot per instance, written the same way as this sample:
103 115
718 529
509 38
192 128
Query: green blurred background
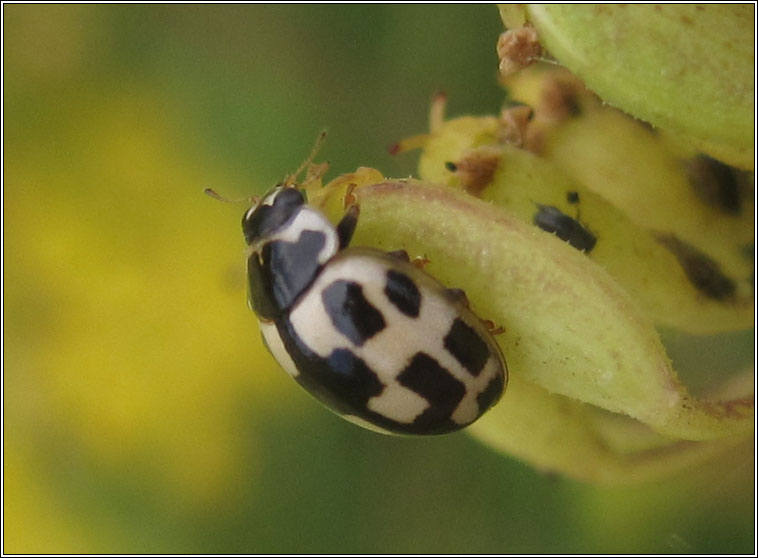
141 413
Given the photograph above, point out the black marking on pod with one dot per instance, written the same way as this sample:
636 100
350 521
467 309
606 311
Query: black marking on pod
718 184
403 293
350 312
702 271
553 220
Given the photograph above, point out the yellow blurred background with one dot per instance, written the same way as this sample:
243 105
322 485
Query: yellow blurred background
141 413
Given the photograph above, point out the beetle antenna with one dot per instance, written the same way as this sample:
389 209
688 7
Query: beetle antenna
292 178
216 196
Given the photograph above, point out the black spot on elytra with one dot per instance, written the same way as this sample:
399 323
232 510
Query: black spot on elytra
350 312
293 266
341 381
345 383
425 376
403 293
491 393
349 379
553 220
467 347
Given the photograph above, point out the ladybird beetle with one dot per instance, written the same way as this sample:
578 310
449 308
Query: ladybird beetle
370 335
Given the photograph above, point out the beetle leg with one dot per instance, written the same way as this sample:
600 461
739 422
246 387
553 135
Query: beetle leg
492 328
349 199
420 261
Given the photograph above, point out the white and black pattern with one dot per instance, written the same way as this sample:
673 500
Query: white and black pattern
351 314
307 221
403 293
275 210
283 265
428 355
368 334
299 259
273 342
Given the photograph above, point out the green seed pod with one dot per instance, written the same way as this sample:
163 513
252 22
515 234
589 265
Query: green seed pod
687 69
